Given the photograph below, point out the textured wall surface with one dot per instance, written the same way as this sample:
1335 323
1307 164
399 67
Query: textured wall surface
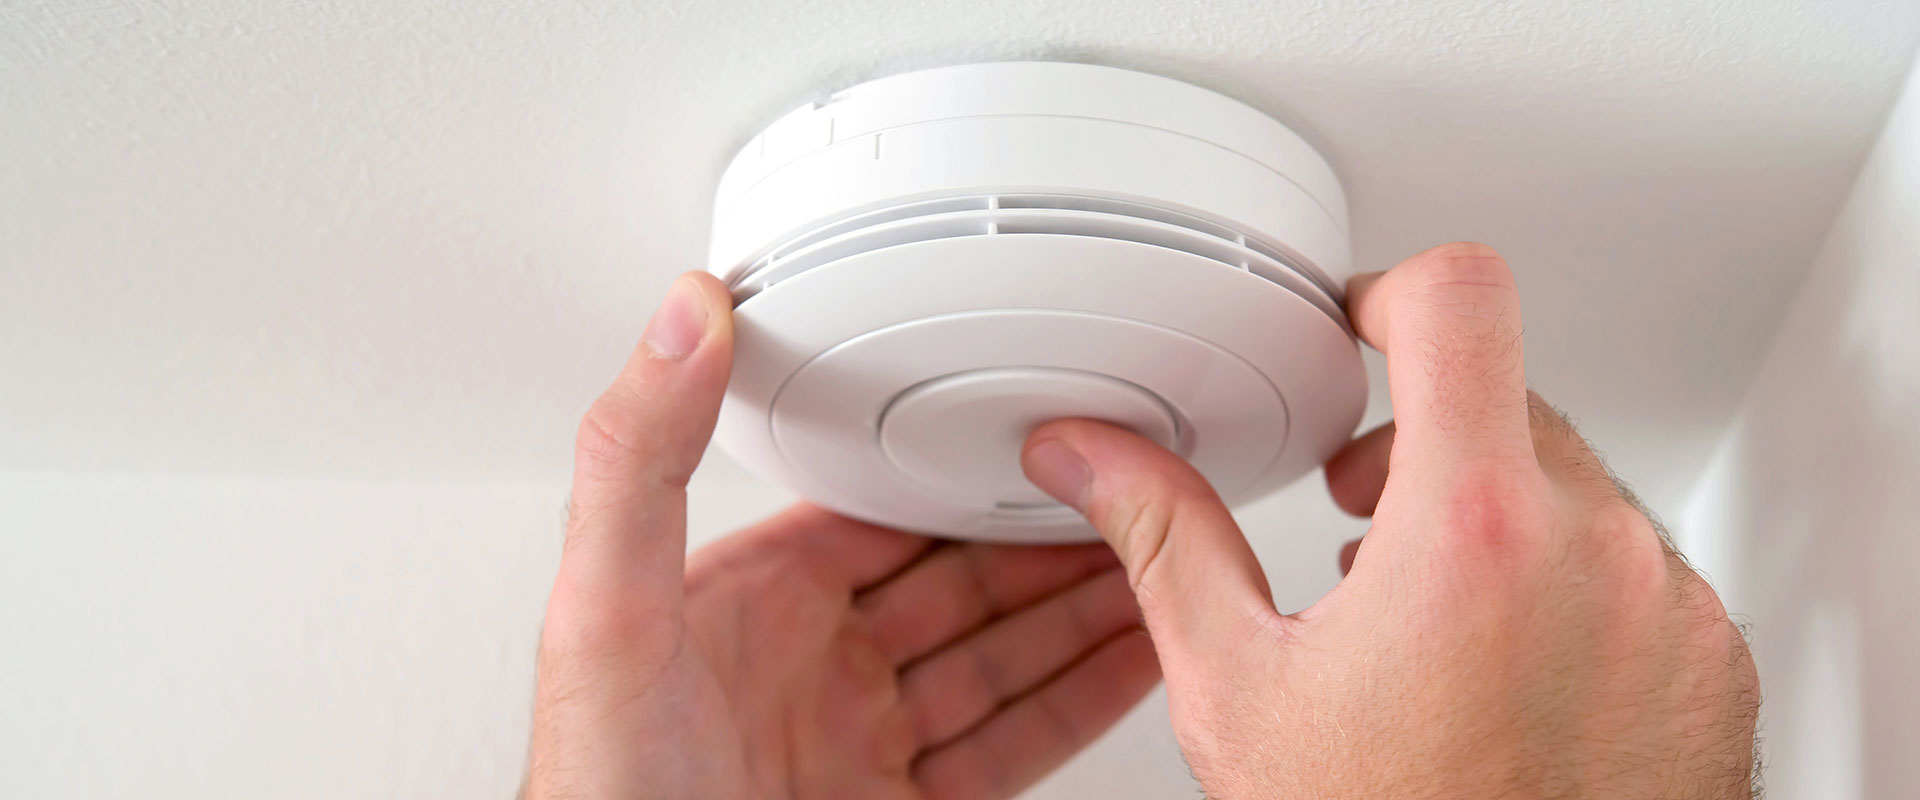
1806 514
299 304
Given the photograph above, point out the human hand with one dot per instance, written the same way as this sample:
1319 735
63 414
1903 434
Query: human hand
1513 625
810 656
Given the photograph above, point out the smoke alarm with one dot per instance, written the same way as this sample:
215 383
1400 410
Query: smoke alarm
929 266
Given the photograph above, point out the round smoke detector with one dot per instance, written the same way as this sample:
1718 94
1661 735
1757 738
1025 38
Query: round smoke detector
927 267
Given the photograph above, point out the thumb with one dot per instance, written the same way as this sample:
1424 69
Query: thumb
1197 582
615 624
637 447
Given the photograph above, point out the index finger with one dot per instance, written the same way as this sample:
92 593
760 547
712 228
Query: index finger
1448 321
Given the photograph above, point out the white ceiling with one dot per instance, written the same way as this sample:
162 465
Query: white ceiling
411 240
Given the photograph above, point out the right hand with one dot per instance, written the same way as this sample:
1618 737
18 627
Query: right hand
1514 624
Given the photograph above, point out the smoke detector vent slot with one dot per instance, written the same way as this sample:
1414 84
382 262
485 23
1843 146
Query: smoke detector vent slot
1015 214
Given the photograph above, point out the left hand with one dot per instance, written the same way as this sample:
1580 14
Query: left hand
810 656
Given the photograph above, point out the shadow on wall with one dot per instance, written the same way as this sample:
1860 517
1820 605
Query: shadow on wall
1806 518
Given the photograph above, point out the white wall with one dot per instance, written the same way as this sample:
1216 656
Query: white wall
1808 517
228 639
174 637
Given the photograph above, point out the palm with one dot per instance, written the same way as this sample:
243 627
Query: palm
858 662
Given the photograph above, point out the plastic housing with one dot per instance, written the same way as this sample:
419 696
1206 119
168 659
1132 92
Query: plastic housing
928 266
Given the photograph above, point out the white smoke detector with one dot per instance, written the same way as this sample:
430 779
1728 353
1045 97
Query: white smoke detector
927 267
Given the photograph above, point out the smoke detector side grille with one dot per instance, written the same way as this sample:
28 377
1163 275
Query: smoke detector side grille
1016 214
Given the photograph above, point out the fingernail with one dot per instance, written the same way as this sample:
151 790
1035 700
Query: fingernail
676 329
1059 471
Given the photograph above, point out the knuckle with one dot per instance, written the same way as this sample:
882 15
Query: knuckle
1717 646
1465 264
1746 676
604 442
1697 599
1145 537
1141 524
1627 556
1493 523
614 443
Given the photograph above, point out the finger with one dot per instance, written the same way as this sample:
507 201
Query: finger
1036 733
1448 321
1197 582
847 552
956 687
613 618
956 588
1348 552
639 444
1358 473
